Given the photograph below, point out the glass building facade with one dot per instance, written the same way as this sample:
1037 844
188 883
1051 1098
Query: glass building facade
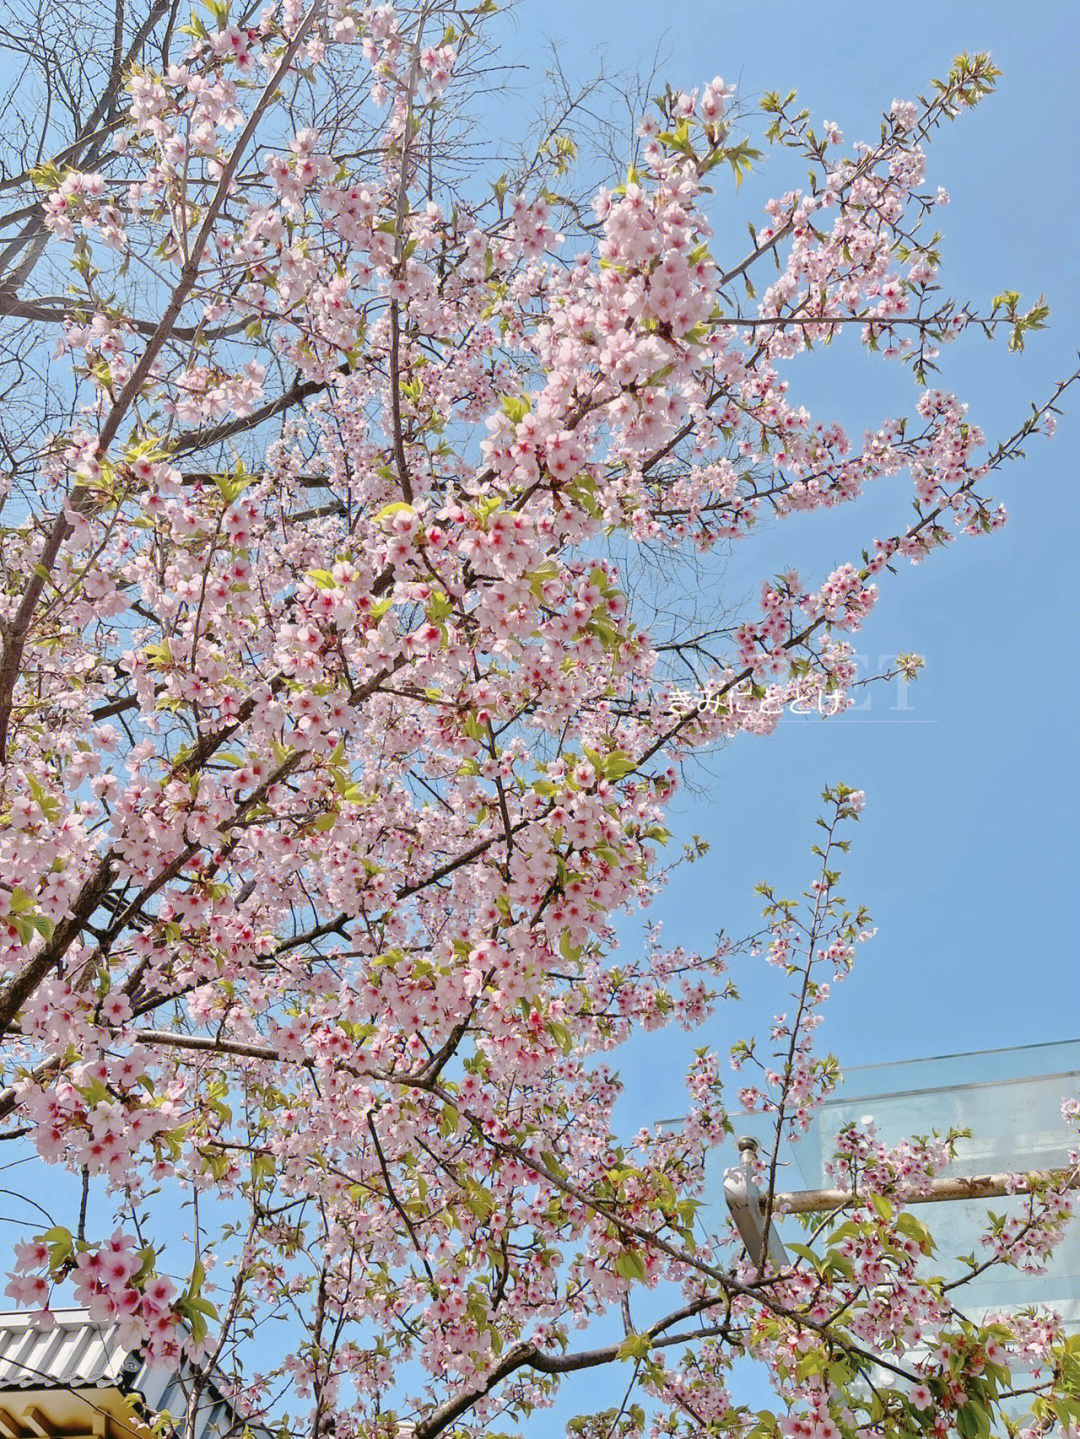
1010 1099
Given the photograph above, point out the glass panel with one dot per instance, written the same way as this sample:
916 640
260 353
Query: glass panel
1009 1099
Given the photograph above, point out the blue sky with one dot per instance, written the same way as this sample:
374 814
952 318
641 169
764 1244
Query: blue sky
967 852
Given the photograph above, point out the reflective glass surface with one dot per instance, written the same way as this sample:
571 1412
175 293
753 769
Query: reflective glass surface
1010 1100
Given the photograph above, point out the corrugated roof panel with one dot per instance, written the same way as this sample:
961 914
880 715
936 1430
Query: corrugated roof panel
75 1351
79 1353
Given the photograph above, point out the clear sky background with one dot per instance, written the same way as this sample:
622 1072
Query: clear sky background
967 853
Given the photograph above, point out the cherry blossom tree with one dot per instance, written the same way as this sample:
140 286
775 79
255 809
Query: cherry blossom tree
334 739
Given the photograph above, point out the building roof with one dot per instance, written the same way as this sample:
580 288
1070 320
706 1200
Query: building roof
77 1356
75 1352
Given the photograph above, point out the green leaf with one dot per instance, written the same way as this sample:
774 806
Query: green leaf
630 1265
634 1346
618 764
263 1166
61 1246
232 486
148 1257
913 1228
883 1206
18 901
516 407
561 1034
46 803
198 1278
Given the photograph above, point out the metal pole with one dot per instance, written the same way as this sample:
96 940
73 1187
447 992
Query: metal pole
746 1205
977 1186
